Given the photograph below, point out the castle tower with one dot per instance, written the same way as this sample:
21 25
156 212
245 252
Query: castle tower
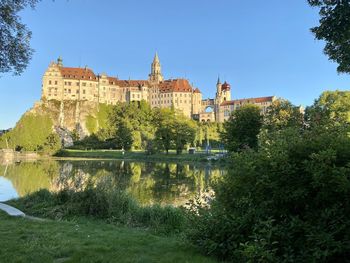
156 71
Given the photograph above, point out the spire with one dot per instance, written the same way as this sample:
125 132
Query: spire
156 70
218 80
156 58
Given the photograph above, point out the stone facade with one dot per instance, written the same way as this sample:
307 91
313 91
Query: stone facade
220 108
82 84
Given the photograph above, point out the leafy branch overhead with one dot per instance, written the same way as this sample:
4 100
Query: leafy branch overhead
15 50
334 29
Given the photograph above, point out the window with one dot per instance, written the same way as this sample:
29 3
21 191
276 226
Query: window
83 91
49 82
55 82
84 84
77 91
77 83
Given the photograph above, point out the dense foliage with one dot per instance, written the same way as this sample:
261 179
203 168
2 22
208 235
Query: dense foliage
288 200
137 126
334 29
15 50
33 132
332 108
242 129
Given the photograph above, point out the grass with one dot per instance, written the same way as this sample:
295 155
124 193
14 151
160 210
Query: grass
134 155
110 206
24 240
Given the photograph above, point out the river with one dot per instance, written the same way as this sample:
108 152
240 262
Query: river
148 182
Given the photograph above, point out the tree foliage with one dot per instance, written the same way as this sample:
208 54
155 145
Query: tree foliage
15 50
334 29
287 202
282 114
289 199
242 129
331 108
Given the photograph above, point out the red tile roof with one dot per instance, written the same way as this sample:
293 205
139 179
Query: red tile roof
78 73
175 85
250 100
112 80
196 91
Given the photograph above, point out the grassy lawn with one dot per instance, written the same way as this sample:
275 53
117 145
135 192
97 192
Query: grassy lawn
117 154
24 240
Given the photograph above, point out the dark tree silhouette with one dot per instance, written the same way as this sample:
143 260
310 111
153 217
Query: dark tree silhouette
15 50
334 29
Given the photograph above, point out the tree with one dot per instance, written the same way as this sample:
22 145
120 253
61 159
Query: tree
334 29
242 129
139 119
15 50
124 137
282 114
174 129
164 135
184 133
332 108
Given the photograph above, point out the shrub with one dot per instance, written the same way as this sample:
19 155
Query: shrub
289 202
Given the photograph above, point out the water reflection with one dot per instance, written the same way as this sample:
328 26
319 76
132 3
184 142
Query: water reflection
147 182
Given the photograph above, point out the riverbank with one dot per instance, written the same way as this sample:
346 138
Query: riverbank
134 155
87 241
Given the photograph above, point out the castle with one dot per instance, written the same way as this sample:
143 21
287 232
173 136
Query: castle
82 84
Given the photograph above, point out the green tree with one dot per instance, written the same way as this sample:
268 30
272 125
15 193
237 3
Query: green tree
165 119
334 29
184 132
52 144
242 129
282 114
124 136
139 119
15 50
332 108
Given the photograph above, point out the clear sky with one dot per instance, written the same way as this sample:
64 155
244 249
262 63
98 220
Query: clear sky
261 48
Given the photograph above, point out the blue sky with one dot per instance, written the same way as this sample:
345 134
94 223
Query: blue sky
261 48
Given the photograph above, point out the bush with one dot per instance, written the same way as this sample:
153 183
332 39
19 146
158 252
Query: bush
289 202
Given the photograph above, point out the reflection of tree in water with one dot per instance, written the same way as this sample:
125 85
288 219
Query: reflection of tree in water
147 182
28 177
